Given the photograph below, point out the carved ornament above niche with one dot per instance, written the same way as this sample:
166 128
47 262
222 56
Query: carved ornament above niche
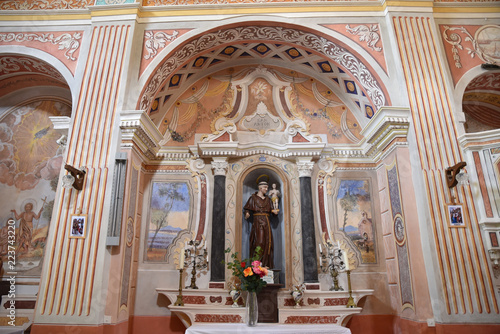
261 121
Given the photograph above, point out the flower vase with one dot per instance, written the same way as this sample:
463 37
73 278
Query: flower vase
297 297
252 309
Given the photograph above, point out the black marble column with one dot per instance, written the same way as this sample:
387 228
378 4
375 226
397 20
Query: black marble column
218 229
308 234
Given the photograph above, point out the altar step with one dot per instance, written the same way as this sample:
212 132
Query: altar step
215 306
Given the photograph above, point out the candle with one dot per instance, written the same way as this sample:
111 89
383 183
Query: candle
345 257
338 244
181 260
320 250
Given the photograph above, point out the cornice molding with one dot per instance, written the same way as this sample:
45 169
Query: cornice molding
480 140
388 124
386 131
138 129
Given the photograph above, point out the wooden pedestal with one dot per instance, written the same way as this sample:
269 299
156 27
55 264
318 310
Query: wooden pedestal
268 303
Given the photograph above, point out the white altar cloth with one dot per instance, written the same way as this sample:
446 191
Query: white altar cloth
263 328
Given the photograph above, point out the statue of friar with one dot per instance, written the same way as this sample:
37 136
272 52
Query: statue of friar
260 207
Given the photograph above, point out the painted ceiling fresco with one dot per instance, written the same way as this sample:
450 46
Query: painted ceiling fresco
234 94
282 46
481 102
272 53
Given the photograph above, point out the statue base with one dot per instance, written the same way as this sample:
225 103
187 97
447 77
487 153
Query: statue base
272 277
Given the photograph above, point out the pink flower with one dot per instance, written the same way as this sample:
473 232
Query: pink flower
261 271
256 263
258 270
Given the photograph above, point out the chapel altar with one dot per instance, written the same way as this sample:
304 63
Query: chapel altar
258 139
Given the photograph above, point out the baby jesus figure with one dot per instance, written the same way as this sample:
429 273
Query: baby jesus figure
275 196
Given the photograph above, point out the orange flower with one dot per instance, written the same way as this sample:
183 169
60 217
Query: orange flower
248 272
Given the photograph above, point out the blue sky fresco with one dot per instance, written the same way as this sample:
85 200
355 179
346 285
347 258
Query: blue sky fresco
158 201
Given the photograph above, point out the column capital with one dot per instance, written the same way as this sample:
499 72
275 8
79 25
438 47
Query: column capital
305 166
220 165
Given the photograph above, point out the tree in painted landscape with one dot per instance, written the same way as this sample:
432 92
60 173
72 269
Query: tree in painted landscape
168 216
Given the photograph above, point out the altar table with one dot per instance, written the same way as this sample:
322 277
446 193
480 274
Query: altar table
267 329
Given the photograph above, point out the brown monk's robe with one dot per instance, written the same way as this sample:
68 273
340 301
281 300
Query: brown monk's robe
261 234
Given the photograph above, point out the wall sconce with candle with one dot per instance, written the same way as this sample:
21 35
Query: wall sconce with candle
456 175
75 177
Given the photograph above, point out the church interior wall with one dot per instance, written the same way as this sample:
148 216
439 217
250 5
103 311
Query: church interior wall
426 271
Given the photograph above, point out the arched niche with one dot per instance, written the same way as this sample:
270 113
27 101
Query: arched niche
279 226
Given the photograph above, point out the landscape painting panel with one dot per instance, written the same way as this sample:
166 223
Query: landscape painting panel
354 214
169 215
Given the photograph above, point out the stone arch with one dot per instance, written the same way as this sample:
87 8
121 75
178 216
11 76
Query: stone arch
42 56
475 96
313 41
34 87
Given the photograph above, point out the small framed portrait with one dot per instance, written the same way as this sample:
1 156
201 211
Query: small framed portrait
456 215
78 224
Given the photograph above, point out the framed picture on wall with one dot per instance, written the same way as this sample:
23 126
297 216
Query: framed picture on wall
455 215
78 224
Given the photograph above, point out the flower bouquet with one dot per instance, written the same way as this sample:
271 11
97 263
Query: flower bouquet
249 271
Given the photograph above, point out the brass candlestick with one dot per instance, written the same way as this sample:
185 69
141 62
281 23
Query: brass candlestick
335 274
179 301
331 261
350 300
196 258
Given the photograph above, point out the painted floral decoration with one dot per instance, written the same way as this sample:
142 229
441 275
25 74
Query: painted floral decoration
249 271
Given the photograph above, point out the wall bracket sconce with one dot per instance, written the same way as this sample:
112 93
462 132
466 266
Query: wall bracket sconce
75 177
452 172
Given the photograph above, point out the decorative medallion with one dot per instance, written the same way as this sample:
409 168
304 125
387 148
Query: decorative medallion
485 43
399 230
130 231
262 121
488 43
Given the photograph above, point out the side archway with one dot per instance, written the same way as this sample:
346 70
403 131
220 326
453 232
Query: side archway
32 91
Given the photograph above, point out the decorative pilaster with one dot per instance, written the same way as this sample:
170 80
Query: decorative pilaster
305 167
219 165
75 292
462 279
